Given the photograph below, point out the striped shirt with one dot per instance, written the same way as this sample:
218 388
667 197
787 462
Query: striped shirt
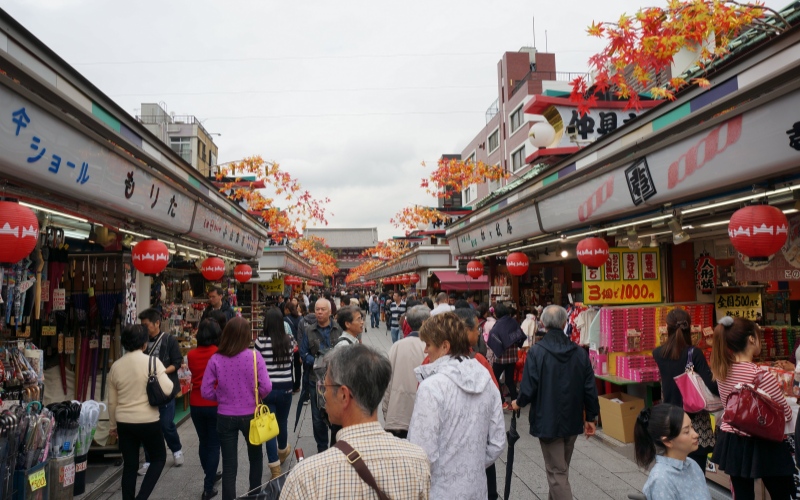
400 468
279 374
397 311
745 373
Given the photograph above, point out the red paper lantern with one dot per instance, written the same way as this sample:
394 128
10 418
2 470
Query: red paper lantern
390 280
19 232
405 279
592 252
475 269
414 278
517 263
150 256
213 268
242 273
758 231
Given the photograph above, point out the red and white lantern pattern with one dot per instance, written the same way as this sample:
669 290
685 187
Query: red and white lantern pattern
242 273
19 232
475 269
150 256
592 252
213 268
414 278
517 263
758 231
405 279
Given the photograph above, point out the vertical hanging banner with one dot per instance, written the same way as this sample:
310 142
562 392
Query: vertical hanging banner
628 277
705 273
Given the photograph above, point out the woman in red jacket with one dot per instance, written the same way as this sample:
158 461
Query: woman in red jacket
203 411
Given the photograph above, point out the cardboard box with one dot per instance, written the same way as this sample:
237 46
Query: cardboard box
618 419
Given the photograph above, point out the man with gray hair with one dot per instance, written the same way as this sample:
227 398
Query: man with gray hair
404 356
354 384
558 381
442 304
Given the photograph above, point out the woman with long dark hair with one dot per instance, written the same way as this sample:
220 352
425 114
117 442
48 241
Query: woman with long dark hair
230 380
743 457
672 358
664 435
276 345
204 411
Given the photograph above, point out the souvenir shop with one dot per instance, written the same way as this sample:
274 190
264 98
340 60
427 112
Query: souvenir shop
693 204
99 220
420 271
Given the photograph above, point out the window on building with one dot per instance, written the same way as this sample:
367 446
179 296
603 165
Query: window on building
517 118
203 151
471 158
494 140
182 146
518 159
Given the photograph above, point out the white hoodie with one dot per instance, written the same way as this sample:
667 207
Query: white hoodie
458 421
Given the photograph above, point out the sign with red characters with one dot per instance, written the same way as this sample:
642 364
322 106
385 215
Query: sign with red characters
628 277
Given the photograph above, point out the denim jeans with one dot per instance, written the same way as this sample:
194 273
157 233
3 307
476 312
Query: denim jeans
279 403
319 425
375 319
131 436
229 429
166 415
397 334
204 419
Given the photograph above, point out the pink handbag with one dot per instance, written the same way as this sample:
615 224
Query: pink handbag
696 396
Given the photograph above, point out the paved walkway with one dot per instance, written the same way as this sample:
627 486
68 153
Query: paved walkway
598 472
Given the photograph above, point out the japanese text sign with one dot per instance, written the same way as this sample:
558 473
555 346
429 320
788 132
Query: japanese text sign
743 305
273 287
628 277
59 299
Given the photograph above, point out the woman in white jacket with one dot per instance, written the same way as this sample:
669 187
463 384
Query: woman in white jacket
458 417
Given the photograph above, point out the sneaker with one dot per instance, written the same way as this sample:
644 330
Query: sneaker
306 402
178 456
143 468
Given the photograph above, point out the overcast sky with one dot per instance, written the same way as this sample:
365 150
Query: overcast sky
348 96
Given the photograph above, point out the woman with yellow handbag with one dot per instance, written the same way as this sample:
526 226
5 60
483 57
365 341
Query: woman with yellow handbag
237 379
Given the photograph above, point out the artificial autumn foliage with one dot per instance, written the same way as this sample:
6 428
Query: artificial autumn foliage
316 251
300 207
643 45
410 218
457 175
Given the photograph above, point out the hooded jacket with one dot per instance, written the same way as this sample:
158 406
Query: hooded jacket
559 382
458 421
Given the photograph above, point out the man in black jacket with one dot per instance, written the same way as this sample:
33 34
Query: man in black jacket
559 382
216 302
166 348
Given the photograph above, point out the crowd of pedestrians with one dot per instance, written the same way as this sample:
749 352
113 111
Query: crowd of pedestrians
449 376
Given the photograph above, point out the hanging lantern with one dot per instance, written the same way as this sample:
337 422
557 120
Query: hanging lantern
517 263
213 268
758 231
592 252
475 269
150 256
405 279
242 273
414 278
19 232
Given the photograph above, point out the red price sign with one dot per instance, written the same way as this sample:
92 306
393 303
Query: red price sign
628 277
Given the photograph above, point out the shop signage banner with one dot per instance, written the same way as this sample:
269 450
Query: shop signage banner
783 266
42 151
596 123
628 277
273 287
492 232
213 228
719 157
743 305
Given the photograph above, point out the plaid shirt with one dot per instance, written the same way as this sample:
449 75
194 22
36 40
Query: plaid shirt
401 469
509 356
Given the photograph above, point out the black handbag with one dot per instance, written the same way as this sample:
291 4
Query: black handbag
156 395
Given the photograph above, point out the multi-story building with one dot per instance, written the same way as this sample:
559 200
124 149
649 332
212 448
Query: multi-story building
184 134
504 138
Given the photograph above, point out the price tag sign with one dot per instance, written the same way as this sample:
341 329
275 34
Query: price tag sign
37 480
744 305
46 291
106 341
59 299
66 475
48 331
25 334
94 344
628 277
81 466
69 345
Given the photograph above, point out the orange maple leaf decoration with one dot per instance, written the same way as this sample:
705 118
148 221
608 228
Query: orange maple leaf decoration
316 251
410 218
641 46
300 207
457 175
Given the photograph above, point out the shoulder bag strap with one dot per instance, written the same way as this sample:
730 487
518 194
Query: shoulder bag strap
689 362
255 376
361 468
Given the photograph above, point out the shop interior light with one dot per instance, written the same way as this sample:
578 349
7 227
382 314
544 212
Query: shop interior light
742 199
78 235
678 234
712 224
54 212
133 233
653 241
634 242
564 254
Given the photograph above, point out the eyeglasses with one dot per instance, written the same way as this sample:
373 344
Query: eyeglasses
321 385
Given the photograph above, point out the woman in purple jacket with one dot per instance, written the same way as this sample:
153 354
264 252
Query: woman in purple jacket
230 381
